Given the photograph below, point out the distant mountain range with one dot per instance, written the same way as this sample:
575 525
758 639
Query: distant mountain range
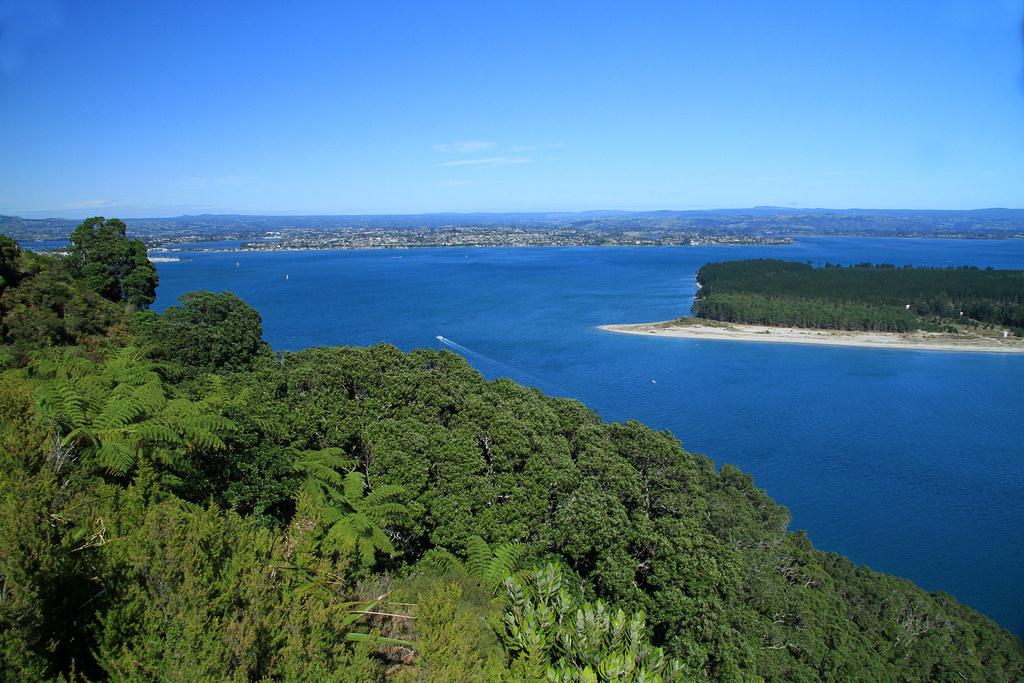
760 220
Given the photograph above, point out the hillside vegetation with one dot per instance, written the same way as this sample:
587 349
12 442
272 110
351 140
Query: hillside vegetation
180 503
880 298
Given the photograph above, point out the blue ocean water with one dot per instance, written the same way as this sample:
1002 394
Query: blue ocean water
911 462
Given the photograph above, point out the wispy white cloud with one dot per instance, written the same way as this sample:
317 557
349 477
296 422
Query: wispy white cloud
464 147
88 204
489 161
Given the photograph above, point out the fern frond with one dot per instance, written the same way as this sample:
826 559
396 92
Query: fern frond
440 560
360 523
383 493
381 541
69 403
271 426
199 438
319 472
382 512
478 556
330 515
323 464
354 485
116 455
118 412
156 433
81 435
341 536
503 564
151 397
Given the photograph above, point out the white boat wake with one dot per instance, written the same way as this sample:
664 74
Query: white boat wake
507 370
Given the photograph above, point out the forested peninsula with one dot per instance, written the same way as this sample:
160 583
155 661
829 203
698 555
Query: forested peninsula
180 502
877 298
949 309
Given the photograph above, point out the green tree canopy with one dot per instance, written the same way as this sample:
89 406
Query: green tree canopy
43 305
9 255
881 297
209 332
111 264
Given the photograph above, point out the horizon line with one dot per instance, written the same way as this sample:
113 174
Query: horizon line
758 207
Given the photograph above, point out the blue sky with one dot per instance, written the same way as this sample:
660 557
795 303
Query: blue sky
150 109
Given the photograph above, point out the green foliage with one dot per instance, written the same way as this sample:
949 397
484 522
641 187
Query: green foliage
208 332
863 297
255 473
322 472
350 473
639 522
48 307
579 644
535 610
352 520
191 589
10 256
198 594
492 565
110 264
118 412
453 640
50 522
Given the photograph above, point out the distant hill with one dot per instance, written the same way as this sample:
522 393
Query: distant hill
36 228
760 220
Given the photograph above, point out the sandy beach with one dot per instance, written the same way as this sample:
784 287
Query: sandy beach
925 341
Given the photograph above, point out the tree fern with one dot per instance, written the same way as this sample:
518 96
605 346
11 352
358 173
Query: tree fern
323 471
492 565
354 522
440 560
117 411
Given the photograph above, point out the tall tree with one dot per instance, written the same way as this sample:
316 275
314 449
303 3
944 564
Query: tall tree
9 255
112 264
209 332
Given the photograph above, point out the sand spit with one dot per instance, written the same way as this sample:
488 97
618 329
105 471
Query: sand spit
922 341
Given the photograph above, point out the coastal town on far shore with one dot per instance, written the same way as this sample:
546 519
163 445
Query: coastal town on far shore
755 226
453 236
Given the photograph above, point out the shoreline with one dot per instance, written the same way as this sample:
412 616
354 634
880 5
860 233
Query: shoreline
406 247
911 341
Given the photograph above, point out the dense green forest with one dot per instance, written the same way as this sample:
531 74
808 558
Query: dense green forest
862 297
180 503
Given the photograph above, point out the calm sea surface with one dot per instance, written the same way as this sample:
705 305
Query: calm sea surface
911 462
